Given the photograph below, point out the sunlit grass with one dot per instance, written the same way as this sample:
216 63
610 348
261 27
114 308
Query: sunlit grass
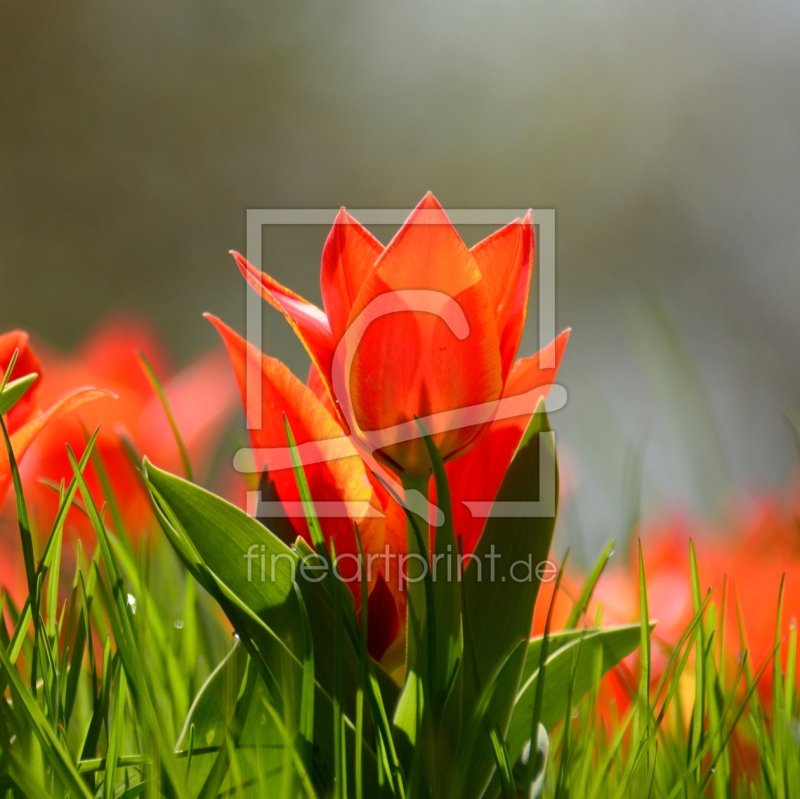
122 677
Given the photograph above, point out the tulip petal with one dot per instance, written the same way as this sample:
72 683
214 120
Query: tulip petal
339 480
527 374
383 619
477 474
506 262
308 322
24 437
111 354
413 363
320 389
348 258
476 477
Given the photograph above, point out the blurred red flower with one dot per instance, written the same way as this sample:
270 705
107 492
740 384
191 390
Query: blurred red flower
202 398
29 418
756 547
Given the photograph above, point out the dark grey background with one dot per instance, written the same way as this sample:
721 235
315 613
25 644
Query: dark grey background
133 137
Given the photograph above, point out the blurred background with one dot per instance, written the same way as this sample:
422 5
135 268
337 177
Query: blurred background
133 138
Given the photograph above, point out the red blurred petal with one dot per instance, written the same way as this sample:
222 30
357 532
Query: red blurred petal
23 438
202 398
109 356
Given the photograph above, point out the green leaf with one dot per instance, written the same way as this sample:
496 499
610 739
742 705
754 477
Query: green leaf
229 754
214 538
162 397
589 586
14 391
501 583
306 726
415 711
22 518
363 677
469 773
502 762
610 644
57 754
209 718
115 735
501 601
20 631
541 664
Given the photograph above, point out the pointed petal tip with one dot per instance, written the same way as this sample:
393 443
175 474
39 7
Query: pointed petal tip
218 323
429 202
245 267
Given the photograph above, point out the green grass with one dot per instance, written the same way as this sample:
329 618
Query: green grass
155 671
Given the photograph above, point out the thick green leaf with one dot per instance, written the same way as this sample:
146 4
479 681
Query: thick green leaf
611 645
255 565
214 539
209 717
500 597
501 583
469 774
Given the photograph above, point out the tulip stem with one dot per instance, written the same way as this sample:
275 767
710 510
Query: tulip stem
416 567
419 483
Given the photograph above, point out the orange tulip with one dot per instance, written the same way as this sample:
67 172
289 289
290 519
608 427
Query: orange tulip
424 327
202 398
403 364
27 419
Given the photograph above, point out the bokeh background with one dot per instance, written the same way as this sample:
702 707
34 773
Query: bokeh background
133 137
